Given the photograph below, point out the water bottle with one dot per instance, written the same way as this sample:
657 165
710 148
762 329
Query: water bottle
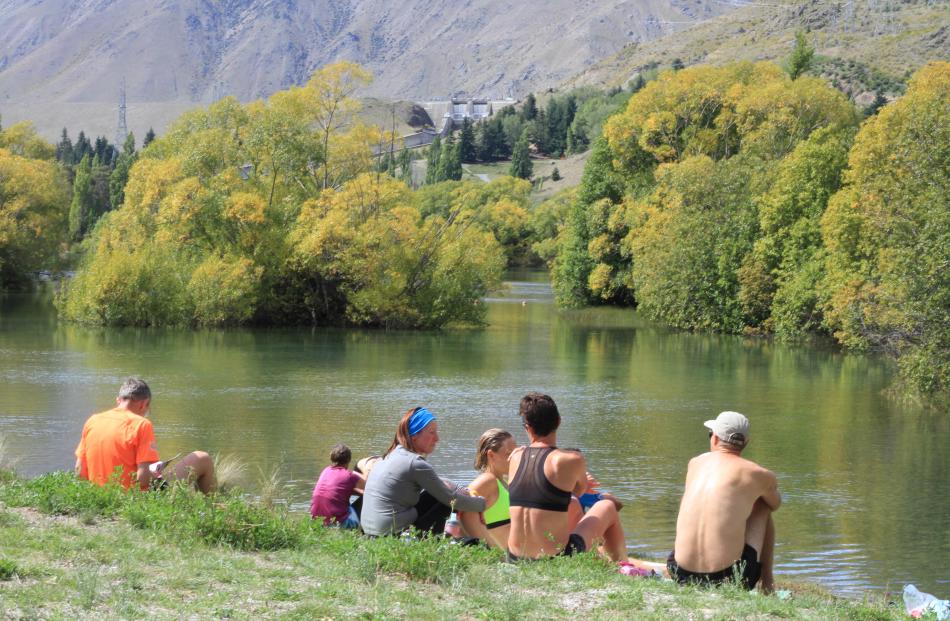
452 526
917 603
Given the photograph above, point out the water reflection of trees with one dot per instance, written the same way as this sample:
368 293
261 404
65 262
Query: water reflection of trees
860 473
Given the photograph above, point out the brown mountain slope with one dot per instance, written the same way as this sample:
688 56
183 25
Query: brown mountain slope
62 60
862 45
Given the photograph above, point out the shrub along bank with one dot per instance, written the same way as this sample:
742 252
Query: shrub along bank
72 550
738 199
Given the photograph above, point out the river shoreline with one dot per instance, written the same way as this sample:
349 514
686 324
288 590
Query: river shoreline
72 550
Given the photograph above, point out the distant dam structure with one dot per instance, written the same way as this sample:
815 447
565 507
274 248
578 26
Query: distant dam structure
449 114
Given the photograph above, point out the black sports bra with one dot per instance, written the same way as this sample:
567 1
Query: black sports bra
530 488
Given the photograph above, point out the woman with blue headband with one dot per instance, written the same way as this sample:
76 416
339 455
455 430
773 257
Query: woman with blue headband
403 489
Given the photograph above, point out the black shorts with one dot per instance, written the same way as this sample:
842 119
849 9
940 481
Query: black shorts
575 545
747 569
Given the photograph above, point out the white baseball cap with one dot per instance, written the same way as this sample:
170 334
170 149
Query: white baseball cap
731 427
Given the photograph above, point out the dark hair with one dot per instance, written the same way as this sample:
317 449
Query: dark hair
134 389
539 413
491 440
340 455
402 437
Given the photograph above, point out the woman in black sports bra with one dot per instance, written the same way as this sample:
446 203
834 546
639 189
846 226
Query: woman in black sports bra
530 488
535 532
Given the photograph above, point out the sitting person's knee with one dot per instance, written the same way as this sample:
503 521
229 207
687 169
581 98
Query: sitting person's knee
607 508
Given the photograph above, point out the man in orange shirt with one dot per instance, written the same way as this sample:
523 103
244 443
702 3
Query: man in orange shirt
123 438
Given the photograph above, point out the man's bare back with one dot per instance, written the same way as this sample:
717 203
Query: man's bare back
727 505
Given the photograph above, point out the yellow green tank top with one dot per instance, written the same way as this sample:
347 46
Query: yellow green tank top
498 514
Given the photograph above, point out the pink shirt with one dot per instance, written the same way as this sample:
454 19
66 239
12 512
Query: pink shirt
331 494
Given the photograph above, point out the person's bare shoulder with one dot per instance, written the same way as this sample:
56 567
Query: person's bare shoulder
763 476
697 462
482 484
570 458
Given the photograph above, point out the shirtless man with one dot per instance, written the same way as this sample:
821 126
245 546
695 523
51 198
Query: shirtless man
542 479
725 521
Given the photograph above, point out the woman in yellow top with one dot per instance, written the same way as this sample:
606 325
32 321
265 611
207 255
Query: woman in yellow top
491 457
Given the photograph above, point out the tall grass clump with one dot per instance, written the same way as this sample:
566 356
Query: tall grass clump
7 463
61 493
8 569
229 469
428 559
270 482
224 519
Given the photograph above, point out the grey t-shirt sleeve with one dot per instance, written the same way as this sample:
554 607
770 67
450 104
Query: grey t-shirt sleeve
425 476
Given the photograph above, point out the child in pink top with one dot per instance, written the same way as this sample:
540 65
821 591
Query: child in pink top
331 495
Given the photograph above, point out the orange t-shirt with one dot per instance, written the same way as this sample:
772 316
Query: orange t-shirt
112 439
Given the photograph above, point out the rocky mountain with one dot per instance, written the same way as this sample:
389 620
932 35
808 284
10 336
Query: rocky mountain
62 61
862 46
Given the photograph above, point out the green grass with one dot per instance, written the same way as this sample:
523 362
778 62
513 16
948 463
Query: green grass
70 550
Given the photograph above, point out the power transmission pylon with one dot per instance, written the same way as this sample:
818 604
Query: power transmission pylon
121 129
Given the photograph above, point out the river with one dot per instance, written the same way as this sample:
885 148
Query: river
864 478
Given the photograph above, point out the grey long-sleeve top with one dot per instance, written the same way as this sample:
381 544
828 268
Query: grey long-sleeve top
393 489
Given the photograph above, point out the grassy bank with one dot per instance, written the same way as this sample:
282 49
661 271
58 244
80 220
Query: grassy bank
69 550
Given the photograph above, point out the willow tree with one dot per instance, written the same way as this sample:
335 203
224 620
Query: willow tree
672 211
33 207
219 216
888 234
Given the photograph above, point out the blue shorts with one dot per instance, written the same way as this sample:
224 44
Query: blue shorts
351 521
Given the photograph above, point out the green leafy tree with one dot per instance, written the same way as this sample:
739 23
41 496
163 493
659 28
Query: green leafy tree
530 109
120 175
149 137
887 284
659 233
677 64
467 147
82 207
521 165
572 263
802 56
404 166
513 126
490 138
101 189
273 212
433 168
555 174
22 140
450 163
779 280
64 149
81 147
688 240
33 213
879 102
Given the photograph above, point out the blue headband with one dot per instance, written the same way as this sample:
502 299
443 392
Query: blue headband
418 421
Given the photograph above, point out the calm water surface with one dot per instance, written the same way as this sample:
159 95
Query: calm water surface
864 479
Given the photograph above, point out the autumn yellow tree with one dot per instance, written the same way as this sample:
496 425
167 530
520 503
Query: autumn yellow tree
674 219
272 212
34 204
888 234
